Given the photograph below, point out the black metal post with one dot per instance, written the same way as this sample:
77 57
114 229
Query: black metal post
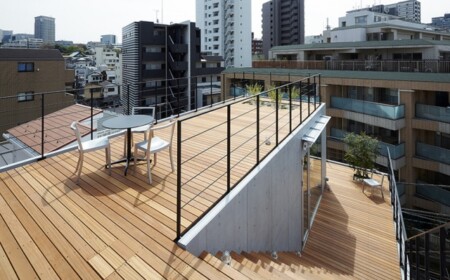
92 113
228 148
156 102
442 242
426 256
211 90
276 117
178 97
315 92
417 257
42 126
301 102
309 96
128 99
290 108
234 85
196 95
257 129
178 180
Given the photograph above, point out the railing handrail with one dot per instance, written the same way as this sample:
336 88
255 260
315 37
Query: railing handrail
428 231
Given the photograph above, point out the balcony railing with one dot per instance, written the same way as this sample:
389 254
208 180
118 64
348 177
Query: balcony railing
237 151
435 113
419 66
433 153
41 136
369 108
397 151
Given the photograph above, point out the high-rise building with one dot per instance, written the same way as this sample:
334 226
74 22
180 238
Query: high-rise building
5 35
162 64
108 39
226 30
441 22
283 23
44 28
409 10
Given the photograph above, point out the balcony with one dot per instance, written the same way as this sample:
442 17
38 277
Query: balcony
434 113
397 151
152 57
421 66
385 111
433 153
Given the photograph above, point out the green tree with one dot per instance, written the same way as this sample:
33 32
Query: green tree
272 93
361 153
252 90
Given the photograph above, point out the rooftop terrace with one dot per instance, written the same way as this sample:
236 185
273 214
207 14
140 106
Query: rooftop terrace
117 226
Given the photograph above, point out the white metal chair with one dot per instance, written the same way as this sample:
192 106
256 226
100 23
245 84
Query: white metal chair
155 145
374 183
141 129
90 146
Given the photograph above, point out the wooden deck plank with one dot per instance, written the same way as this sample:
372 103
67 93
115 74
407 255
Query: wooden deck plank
6 269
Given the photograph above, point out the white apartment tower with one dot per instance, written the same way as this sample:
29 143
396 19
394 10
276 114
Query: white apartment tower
226 30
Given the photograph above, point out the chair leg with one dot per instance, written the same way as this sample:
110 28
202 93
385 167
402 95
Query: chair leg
171 159
149 170
154 159
78 162
108 159
81 159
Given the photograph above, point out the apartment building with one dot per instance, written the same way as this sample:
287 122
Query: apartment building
226 30
108 39
409 10
283 23
162 64
44 28
393 89
22 72
441 22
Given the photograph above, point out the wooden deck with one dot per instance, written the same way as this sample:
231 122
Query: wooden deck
120 227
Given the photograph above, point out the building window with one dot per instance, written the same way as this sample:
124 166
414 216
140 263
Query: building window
25 67
361 20
25 96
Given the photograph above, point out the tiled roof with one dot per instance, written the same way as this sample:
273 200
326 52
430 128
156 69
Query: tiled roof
57 131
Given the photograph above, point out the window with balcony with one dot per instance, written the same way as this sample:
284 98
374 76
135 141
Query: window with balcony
25 96
25 67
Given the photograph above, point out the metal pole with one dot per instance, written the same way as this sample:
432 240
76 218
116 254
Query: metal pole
178 180
257 128
276 117
228 148
290 109
42 126
210 90
92 113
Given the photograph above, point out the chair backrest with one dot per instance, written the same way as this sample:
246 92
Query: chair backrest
169 126
142 110
74 127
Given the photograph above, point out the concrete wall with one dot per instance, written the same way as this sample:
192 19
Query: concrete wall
262 213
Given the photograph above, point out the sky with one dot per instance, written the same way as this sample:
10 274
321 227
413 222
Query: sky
82 20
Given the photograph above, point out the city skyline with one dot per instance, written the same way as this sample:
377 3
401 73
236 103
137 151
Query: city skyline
112 17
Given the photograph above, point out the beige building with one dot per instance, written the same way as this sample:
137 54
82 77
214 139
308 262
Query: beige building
24 75
407 112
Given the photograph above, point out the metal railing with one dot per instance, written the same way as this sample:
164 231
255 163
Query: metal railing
400 229
435 113
214 157
40 135
425 255
418 66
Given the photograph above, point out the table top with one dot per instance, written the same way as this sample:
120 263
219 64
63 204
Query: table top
127 121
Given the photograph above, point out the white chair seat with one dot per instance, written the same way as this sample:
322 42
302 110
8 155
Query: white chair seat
140 129
155 145
95 144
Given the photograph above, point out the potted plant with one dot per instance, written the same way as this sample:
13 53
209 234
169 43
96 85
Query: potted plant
361 153
272 94
252 90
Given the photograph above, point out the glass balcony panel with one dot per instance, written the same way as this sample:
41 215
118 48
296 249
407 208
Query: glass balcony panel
433 153
397 151
435 113
369 108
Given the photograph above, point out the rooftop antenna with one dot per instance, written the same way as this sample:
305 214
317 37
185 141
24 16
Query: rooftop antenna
162 11
156 12
328 24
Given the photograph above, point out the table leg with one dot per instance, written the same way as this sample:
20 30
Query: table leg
128 149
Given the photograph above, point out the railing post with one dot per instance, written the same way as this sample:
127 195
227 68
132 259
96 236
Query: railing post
276 117
178 180
315 93
211 90
156 103
309 95
128 99
257 129
92 113
405 261
301 102
42 126
426 255
228 148
290 108
416 244
443 258
178 96
196 95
